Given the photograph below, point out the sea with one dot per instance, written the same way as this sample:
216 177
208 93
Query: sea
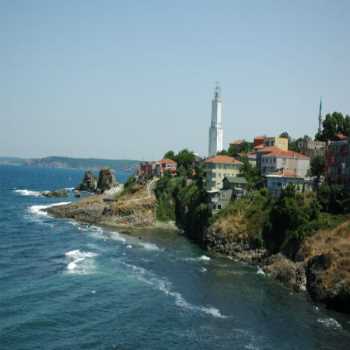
65 285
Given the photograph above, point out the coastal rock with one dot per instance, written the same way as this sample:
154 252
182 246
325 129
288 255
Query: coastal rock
126 212
328 281
89 182
238 249
56 193
106 180
327 259
286 271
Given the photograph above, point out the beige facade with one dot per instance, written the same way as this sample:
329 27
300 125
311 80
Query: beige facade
219 167
279 142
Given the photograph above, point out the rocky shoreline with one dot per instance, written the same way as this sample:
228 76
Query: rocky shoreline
321 266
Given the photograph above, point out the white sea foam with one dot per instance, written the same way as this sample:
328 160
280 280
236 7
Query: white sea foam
203 269
129 246
260 271
330 323
28 193
166 287
200 258
149 246
117 237
80 262
38 210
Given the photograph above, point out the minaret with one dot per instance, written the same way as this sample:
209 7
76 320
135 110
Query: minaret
215 130
320 117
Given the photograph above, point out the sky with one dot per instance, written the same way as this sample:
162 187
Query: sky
133 79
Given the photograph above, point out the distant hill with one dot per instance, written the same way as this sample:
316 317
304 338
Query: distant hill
73 163
12 161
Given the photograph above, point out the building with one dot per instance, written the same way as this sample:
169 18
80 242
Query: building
259 142
251 156
274 141
311 148
279 180
320 117
338 162
165 166
237 184
272 159
216 130
219 167
145 170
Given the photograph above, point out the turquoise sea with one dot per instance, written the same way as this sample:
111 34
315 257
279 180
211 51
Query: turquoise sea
65 285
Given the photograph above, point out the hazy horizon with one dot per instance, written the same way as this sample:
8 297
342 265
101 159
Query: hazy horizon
131 80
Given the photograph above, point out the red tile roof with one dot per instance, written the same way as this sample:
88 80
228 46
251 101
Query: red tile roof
222 160
277 152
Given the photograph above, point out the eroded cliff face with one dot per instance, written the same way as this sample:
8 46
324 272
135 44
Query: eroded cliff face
126 211
327 264
321 265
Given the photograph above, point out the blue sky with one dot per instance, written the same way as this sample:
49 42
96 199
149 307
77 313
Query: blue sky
132 79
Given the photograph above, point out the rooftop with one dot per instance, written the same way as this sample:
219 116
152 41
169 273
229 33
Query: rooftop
222 160
277 152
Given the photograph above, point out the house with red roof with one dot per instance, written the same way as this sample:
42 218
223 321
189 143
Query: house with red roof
219 167
272 159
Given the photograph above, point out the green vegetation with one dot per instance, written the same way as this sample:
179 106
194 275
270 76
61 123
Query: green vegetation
243 219
251 174
318 166
293 216
334 199
334 124
235 150
183 197
185 160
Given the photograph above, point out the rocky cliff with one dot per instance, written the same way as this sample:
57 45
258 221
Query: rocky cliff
321 265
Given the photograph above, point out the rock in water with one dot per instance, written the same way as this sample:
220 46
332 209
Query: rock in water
89 182
106 180
56 193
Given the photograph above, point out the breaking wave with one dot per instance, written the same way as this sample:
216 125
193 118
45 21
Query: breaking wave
330 323
38 210
150 246
28 193
166 287
200 258
80 262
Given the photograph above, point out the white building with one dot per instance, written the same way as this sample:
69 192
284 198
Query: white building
278 181
215 130
272 159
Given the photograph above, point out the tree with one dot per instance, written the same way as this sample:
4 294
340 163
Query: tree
234 150
185 159
170 155
291 218
318 166
250 173
334 124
